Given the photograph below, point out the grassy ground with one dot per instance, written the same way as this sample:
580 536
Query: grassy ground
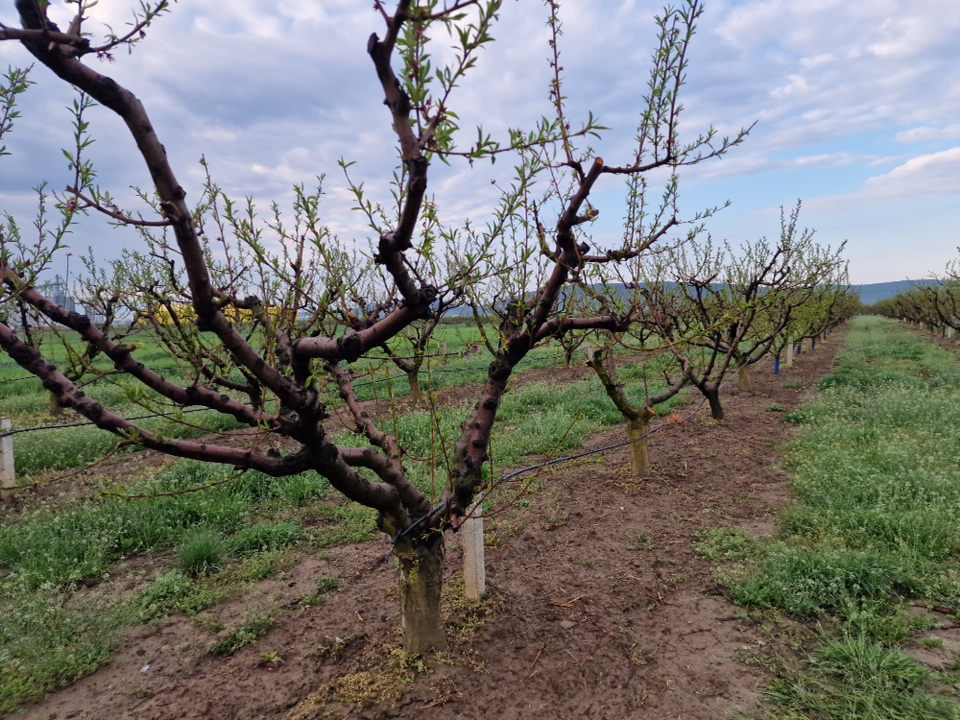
225 536
872 539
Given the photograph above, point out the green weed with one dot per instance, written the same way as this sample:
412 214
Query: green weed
202 553
265 536
806 582
853 678
47 642
169 593
724 545
326 585
253 628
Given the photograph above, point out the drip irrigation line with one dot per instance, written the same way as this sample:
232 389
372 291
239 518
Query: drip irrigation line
416 524
421 372
202 409
409 357
85 424
408 531
448 370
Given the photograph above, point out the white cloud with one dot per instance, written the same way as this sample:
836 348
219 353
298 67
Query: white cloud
923 134
935 174
861 67
742 162
923 177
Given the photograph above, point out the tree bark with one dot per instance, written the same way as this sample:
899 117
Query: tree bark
713 397
421 579
416 394
639 458
637 418
744 379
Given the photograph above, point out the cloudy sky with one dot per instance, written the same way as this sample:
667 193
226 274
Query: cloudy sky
857 105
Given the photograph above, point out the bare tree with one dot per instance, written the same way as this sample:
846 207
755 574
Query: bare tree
638 417
944 297
530 249
729 308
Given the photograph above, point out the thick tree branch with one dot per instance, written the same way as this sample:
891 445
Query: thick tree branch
558 326
352 345
319 455
390 469
31 360
123 360
110 94
82 44
392 245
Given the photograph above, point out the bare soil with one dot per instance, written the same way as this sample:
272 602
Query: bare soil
598 603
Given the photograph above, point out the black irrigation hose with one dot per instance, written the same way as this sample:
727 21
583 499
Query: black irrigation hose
420 372
86 424
10 380
406 532
156 415
410 529
536 359
449 370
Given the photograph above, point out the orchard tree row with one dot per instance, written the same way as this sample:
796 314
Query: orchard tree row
264 313
935 306
705 313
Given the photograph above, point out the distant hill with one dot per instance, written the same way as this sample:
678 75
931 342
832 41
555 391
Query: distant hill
869 294
875 292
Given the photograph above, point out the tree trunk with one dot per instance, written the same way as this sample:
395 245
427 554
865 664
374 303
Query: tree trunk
56 409
744 379
416 394
639 459
713 397
421 579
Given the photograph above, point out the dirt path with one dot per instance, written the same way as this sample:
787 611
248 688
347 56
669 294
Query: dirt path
599 605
